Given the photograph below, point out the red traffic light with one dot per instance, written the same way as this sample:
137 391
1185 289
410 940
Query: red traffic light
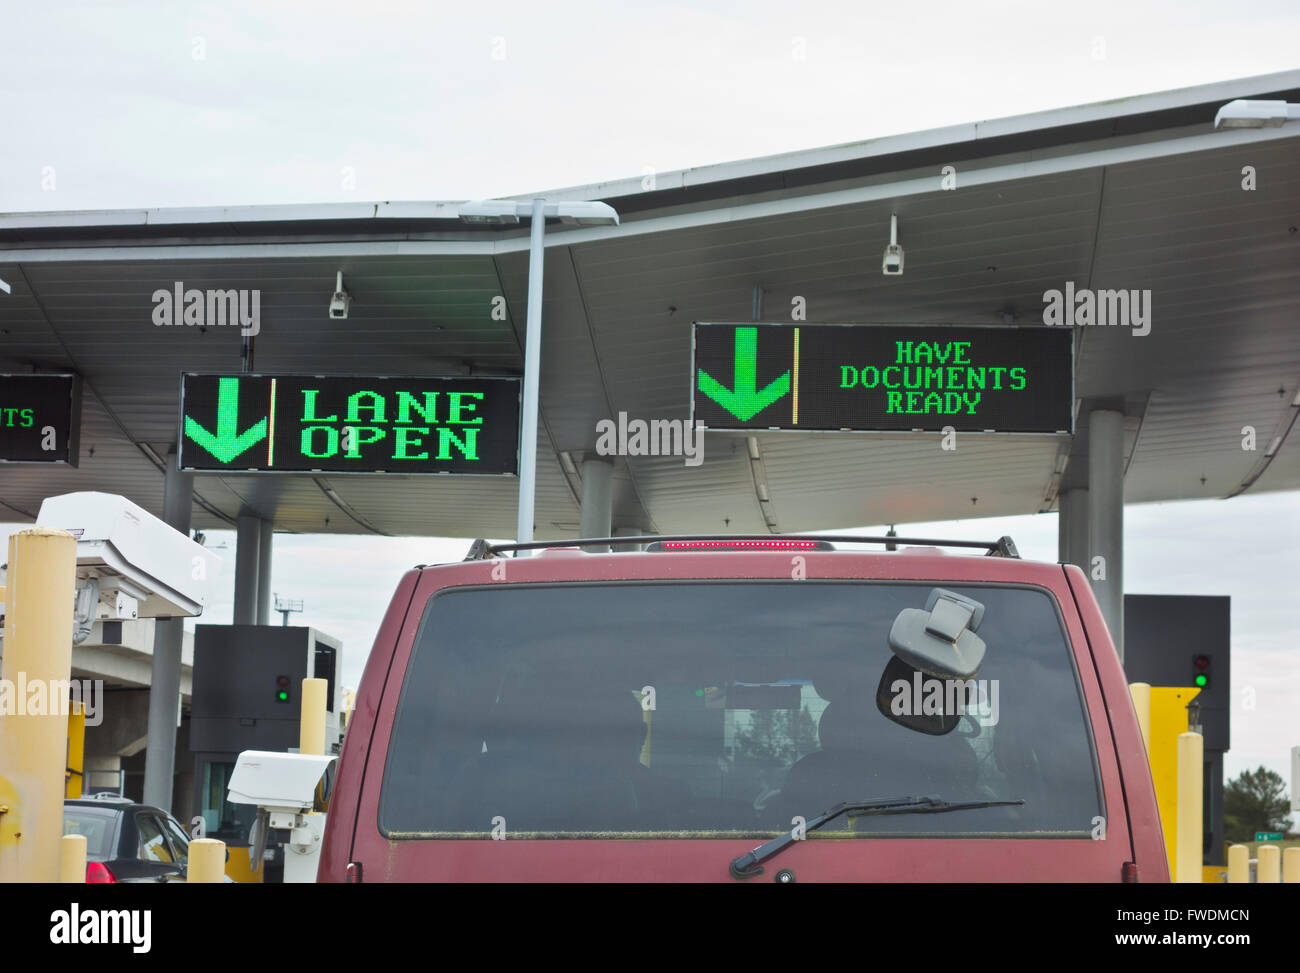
1201 662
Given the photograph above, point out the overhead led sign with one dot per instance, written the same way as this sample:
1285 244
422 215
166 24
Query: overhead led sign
883 378
40 417
333 424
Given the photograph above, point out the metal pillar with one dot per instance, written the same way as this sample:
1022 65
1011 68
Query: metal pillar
1072 528
248 549
597 500
627 532
165 678
267 535
532 369
1106 518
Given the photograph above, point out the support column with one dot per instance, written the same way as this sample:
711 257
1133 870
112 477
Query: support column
597 499
165 677
1106 518
248 549
1072 528
266 538
627 532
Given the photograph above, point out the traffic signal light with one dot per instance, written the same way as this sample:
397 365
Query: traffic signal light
1201 671
282 689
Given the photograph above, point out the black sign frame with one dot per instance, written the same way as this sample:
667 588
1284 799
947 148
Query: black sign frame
185 451
921 332
70 455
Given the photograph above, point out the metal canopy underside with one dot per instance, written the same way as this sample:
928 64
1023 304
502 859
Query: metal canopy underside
1137 194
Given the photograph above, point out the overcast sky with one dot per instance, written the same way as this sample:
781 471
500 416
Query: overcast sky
169 103
143 104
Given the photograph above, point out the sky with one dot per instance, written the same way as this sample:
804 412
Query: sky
173 103
164 104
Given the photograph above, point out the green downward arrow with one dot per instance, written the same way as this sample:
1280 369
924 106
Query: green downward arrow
228 442
744 401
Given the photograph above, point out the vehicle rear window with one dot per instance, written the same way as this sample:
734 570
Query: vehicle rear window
98 826
719 709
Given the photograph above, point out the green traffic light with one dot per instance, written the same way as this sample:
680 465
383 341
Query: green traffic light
1202 680
283 696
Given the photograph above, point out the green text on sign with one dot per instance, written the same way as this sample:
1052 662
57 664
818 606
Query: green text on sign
883 378
302 423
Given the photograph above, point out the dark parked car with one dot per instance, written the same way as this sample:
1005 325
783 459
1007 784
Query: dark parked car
127 842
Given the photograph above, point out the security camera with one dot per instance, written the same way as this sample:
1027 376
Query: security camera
283 788
282 783
129 563
892 264
340 300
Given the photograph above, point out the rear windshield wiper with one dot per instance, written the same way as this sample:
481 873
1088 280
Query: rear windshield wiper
747 865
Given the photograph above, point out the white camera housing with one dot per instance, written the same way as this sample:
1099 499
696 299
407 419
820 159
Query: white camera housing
142 567
282 783
340 299
892 264
893 261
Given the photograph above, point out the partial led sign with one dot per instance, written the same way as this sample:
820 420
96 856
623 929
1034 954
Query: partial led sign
40 418
333 424
883 378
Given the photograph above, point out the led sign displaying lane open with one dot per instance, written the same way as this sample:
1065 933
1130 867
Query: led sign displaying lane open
883 378
310 423
40 417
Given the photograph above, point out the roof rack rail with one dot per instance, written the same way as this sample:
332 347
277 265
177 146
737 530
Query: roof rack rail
482 549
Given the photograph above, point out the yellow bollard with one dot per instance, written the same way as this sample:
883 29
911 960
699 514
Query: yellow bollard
1141 693
1187 859
1269 868
75 773
35 671
72 863
1291 866
1238 865
311 726
207 861
1168 720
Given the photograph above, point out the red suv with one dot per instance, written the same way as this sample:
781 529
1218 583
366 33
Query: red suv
744 709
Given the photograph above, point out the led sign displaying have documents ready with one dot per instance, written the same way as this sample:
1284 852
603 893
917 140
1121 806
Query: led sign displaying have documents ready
882 378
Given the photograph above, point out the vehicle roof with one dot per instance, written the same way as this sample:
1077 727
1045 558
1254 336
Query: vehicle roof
564 563
112 804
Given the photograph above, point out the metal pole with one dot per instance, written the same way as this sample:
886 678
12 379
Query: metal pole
532 368
248 549
1072 529
1106 519
38 656
266 537
597 500
165 668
